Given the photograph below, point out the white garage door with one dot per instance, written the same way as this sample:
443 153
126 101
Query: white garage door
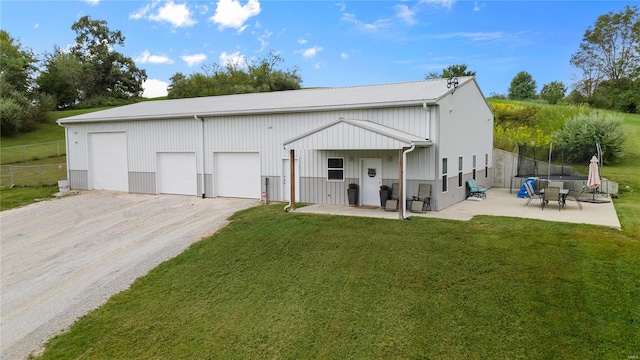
108 161
237 175
177 173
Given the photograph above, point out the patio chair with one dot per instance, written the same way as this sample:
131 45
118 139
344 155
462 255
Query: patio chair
531 194
392 204
475 190
422 201
552 193
558 184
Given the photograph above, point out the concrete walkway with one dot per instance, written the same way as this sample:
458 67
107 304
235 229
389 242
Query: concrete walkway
498 203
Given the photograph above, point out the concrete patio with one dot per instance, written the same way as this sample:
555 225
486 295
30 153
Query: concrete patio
498 203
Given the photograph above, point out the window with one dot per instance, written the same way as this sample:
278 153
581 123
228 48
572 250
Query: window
335 169
486 166
460 172
444 175
473 172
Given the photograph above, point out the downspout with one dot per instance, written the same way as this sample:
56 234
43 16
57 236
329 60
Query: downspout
203 157
288 206
403 196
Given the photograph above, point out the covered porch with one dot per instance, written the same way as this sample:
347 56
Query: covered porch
349 136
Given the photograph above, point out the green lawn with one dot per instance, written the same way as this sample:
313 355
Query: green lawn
20 196
278 285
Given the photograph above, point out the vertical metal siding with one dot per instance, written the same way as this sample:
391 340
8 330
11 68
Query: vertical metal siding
79 179
142 182
261 133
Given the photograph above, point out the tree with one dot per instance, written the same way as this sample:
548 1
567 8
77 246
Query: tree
608 59
581 132
236 78
553 92
20 108
105 72
61 78
522 87
16 63
451 71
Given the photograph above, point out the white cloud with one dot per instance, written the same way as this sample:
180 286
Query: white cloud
404 13
367 27
193 60
140 13
476 7
236 59
36 26
444 3
178 15
474 36
310 52
92 2
302 41
231 14
154 88
146 57
264 40
344 56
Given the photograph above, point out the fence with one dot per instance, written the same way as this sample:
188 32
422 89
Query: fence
32 175
24 153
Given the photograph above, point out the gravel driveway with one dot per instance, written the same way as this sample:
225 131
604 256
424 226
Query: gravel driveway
62 258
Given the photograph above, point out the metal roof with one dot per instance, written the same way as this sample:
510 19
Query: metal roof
368 96
351 134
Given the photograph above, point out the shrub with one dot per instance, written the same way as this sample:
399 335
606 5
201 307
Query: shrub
581 132
10 117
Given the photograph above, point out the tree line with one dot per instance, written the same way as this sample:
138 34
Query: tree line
607 62
92 73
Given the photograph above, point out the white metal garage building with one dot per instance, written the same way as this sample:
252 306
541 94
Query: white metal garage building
239 145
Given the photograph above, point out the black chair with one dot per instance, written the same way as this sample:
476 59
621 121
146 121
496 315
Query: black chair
392 204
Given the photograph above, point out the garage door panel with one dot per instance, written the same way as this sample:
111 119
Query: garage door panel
108 157
177 173
237 175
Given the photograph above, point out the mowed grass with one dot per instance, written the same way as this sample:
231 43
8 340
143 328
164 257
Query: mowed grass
278 285
20 196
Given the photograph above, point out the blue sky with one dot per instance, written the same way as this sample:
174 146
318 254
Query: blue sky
333 43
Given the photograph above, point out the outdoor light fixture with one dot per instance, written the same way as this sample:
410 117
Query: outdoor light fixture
452 82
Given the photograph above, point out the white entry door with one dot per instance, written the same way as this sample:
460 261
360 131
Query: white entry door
370 181
286 184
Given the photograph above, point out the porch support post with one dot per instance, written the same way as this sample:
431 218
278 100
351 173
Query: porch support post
401 200
292 183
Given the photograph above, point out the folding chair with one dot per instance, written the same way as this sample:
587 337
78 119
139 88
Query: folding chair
422 201
531 194
552 193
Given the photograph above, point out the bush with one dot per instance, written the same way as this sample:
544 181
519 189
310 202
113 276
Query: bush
10 117
581 132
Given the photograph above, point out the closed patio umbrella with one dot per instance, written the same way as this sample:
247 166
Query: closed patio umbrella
593 181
